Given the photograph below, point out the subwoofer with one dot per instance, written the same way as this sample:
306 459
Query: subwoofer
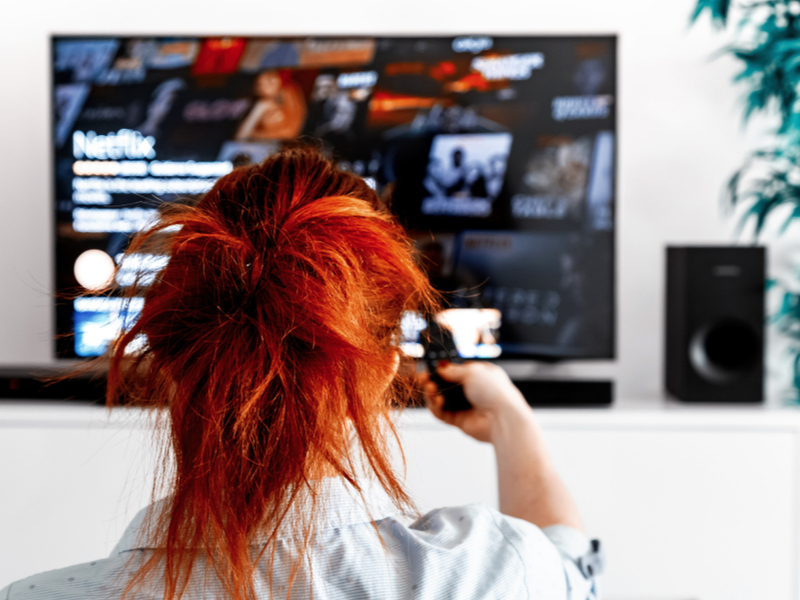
715 323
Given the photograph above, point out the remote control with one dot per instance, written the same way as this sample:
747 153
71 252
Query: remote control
439 345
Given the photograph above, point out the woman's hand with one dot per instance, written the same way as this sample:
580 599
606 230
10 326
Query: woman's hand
490 391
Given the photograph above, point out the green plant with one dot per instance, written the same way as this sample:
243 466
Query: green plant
767 42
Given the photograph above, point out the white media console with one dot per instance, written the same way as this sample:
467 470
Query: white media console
691 503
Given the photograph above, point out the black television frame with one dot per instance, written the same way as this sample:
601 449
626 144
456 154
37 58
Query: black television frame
63 339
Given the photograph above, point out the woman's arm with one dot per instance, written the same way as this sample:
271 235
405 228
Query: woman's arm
529 487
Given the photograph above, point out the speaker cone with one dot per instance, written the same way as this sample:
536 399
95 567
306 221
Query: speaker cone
724 351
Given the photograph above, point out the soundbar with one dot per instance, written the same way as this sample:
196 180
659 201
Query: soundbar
43 384
566 393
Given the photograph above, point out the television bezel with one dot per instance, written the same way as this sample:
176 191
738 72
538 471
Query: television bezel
60 338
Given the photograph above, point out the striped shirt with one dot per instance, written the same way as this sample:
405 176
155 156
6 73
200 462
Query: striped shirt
460 553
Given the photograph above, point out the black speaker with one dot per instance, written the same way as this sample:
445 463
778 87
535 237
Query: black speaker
715 323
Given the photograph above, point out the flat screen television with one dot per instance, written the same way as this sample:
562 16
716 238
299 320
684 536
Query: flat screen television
499 153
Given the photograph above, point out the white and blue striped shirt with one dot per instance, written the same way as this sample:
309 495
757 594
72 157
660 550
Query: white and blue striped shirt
460 553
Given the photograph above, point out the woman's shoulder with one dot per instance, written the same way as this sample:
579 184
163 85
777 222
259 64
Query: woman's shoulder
477 551
467 528
505 547
95 579
475 518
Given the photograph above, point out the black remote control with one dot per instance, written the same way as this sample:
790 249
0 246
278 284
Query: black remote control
439 345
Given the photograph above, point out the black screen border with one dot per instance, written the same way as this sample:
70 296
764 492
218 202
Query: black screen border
62 338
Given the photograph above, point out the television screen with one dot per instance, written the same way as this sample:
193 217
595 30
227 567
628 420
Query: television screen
499 154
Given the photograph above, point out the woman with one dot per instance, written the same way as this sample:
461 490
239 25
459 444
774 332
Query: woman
269 341
279 112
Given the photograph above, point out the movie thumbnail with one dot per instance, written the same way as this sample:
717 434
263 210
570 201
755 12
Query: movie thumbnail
465 174
475 332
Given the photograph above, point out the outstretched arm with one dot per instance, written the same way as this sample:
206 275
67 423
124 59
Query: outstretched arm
528 484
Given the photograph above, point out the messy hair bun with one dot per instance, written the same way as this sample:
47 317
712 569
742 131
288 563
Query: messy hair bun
269 338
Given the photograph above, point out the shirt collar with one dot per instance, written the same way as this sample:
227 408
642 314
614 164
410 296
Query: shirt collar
343 506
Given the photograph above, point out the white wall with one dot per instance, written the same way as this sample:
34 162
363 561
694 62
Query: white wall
679 129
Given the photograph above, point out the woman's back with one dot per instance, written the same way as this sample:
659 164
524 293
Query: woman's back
270 346
468 552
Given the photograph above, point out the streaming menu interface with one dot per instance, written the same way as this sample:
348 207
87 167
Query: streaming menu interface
498 152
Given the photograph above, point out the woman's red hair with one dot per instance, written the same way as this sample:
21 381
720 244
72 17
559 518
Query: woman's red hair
269 339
